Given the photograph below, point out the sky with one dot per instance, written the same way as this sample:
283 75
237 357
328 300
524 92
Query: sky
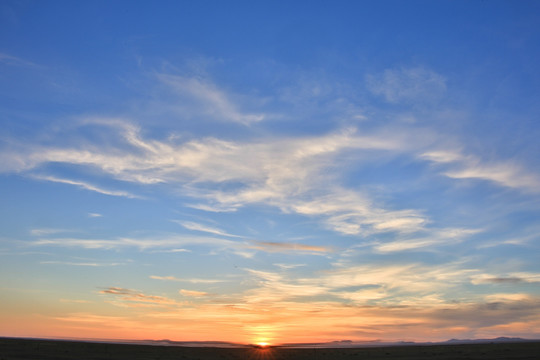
270 171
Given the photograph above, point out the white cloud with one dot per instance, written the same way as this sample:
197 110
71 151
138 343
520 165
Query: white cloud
435 237
350 213
504 173
91 264
47 231
399 284
16 61
87 186
190 280
212 100
417 85
289 266
172 241
190 225
289 173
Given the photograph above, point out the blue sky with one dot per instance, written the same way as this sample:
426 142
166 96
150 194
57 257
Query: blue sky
270 171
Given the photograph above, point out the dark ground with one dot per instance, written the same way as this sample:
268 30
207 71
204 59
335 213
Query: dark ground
11 349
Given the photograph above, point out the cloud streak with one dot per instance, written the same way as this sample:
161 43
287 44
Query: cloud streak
285 173
504 173
212 100
407 84
172 243
91 264
87 186
16 61
189 280
132 298
287 247
190 225
141 243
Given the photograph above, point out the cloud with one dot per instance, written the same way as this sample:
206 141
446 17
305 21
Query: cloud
87 186
287 247
92 264
172 251
16 61
351 213
94 215
134 298
101 326
392 285
75 301
291 174
211 100
170 242
418 85
190 280
289 266
435 237
47 231
190 225
512 278
193 293
503 297
504 173
287 321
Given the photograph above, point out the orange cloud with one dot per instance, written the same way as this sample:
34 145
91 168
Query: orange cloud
134 298
284 247
193 293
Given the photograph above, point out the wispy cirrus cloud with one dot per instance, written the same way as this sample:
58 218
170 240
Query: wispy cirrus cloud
47 231
193 293
211 100
72 263
189 280
291 174
16 61
411 284
351 213
87 186
511 278
174 243
287 247
504 173
289 266
407 84
171 242
190 225
75 301
434 237
132 298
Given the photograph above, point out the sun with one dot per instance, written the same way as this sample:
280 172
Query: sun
262 350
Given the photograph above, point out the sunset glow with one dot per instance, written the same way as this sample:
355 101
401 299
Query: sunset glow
270 172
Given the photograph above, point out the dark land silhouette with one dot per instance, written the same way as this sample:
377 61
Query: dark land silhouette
33 349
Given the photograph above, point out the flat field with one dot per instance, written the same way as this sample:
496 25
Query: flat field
18 349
